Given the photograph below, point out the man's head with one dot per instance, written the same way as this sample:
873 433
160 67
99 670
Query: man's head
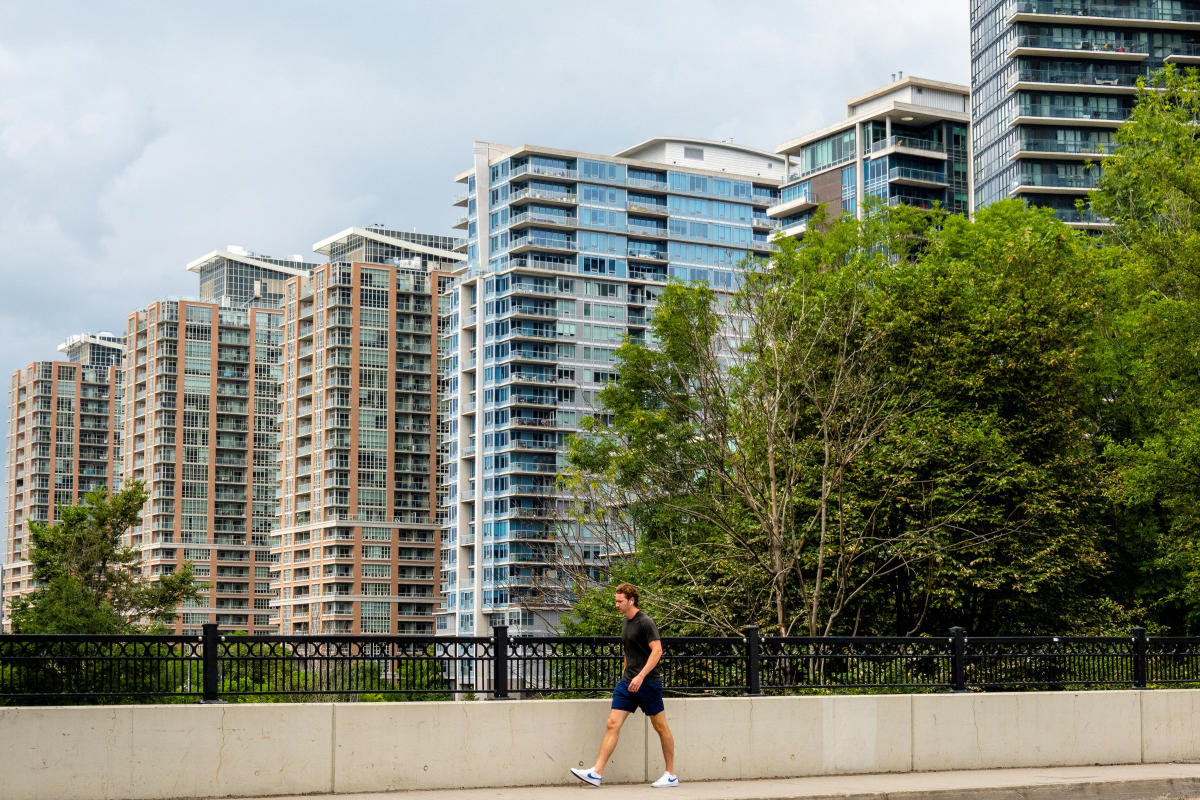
625 598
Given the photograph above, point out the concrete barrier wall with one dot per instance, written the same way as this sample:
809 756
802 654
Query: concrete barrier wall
176 751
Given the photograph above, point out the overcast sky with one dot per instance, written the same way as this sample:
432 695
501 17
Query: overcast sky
135 137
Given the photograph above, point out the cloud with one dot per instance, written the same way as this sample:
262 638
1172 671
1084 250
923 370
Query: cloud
135 137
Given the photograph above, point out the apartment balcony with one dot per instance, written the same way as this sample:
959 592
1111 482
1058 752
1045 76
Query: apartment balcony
526 218
794 205
1187 54
1134 15
652 209
530 309
533 354
642 252
1075 116
1059 47
1085 220
912 176
645 183
1065 150
522 376
914 201
527 445
1079 80
651 231
911 145
534 262
1055 184
540 170
544 195
525 244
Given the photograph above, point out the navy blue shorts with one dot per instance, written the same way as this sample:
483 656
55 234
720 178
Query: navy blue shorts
648 698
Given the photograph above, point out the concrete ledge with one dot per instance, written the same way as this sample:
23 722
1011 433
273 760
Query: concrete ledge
1026 729
240 750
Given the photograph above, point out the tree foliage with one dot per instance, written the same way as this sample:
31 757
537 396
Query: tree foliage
886 418
86 582
1146 369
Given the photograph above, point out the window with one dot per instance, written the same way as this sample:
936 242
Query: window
694 152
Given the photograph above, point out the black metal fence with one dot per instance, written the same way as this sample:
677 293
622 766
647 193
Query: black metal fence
215 667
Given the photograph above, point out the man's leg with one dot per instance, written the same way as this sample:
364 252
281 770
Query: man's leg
659 721
612 732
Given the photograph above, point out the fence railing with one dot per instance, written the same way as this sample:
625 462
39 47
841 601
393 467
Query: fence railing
215 667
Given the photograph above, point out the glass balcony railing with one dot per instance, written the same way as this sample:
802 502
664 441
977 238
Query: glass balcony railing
1188 49
534 216
646 208
1042 145
1077 216
1051 181
912 200
648 184
541 194
1076 76
1072 112
1083 44
543 241
638 251
915 174
913 142
647 230
541 169
543 263
1127 11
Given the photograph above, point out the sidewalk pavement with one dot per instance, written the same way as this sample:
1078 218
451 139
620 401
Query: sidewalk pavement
1123 782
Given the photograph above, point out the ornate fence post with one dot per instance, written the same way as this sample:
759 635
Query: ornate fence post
958 659
1139 658
500 663
211 640
753 686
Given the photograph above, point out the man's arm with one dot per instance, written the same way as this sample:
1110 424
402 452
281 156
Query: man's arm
651 663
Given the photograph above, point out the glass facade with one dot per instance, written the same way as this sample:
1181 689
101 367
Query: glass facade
243 279
1052 79
566 256
903 143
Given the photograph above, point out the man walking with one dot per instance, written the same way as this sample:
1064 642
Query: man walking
640 687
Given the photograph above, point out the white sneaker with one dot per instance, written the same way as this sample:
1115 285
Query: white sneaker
587 776
665 782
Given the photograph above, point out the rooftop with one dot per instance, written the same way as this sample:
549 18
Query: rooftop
898 101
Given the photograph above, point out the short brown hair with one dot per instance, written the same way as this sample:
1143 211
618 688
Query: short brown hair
629 590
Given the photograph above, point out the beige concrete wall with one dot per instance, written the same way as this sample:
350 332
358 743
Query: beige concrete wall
1025 729
117 752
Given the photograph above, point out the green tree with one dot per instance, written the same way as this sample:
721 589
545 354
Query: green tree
87 584
993 322
884 418
1146 376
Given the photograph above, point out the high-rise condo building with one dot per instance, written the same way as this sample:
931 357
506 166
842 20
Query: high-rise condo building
235 276
566 254
94 349
61 437
905 142
1052 80
201 430
357 544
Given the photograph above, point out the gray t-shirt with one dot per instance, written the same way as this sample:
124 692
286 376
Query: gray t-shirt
636 636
